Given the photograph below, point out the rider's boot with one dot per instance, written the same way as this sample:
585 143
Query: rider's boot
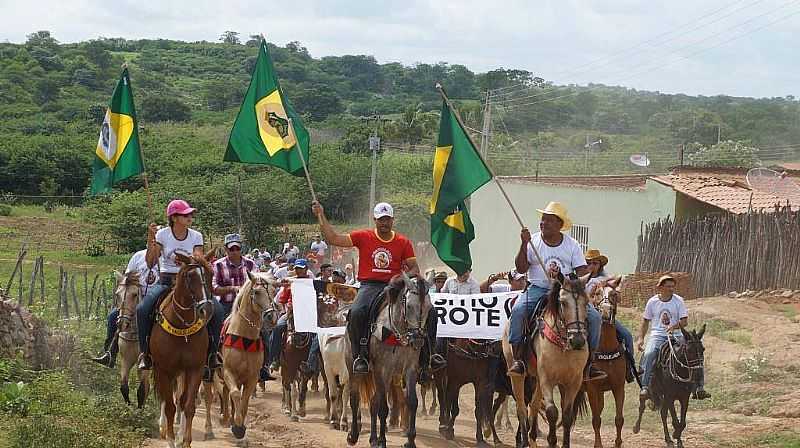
109 356
263 374
145 361
518 366
359 343
591 373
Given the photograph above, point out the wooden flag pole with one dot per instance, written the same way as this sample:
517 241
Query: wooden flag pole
303 160
491 172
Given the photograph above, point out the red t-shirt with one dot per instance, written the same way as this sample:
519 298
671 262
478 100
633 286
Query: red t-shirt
380 260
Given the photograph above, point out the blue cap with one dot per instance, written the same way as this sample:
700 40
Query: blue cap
301 263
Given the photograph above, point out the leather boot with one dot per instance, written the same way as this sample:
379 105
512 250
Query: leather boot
518 366
437 362
214 360
145 361
106 359
591 373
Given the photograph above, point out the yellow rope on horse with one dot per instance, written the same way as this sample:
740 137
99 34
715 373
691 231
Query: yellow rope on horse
182 332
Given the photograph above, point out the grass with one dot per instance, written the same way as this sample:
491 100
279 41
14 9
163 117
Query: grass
728 331
780 439
789 311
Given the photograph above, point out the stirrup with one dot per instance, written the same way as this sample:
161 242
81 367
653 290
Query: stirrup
106 359
145 362
360 366
437 363
517 368
594 374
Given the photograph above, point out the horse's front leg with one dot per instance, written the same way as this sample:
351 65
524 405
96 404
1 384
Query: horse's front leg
499 402
550 410
190 405
411 406
680 425
664 410
355 411
124 372
596 403
208 398
383 413
247 392
619 420
518 389
638 425
444 409
482 403
568 396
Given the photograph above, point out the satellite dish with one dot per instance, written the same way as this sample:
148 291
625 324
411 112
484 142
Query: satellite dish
773 182
640 160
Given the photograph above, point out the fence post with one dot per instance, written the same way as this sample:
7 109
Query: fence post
95 303
20 256
33 282
63 296
86 308
75 298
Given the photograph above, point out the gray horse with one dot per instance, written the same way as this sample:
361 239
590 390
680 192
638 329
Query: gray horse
394 345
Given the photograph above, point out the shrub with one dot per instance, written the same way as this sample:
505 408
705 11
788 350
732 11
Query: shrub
5 210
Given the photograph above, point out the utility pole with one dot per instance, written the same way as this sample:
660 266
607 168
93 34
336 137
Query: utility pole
586 157
374 146
719 132
487 125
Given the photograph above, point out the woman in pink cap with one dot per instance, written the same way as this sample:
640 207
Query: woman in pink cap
161 248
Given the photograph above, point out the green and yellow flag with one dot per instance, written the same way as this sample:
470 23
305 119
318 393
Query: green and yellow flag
261 133
458 171
117 155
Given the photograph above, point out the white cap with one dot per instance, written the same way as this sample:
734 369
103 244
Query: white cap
383 209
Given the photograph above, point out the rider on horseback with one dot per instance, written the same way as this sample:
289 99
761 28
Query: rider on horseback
382 252
161 248
668 314
148 276
561 254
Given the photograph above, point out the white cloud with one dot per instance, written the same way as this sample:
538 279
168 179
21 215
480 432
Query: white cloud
552 38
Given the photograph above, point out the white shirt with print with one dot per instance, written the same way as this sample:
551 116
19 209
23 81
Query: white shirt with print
663 314
169 244
319 248
567 256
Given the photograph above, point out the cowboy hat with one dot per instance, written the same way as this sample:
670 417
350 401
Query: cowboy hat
594 254
557 209
664 278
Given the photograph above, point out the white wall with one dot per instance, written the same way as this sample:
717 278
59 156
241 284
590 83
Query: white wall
613 216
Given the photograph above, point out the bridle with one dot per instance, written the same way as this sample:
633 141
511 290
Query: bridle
409 335
689 365
196 305
606 300
267 313
577 326
125 314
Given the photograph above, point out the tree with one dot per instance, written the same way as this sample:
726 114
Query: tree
42 39
165 108
297 48
254 41
97 53
318 103
230 37
47 90
728 153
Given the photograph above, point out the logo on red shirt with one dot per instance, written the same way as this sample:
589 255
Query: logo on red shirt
381 259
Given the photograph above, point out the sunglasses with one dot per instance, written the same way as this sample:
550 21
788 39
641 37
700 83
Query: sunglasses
188 215
234 248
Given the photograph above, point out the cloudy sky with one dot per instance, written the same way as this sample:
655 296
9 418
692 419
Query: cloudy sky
734 47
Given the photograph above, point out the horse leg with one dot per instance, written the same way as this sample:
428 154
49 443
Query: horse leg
291 393
504 414
124 370
444 410
189 400
237 396
664 409
411 406
374 404
383 412
452 400
164 385
248 387
619 420
344 393
336 398
494 422
143 390
568 411
301 397
355 413
518 388
637 426
481 408
551 411
684 401
596 403
208 398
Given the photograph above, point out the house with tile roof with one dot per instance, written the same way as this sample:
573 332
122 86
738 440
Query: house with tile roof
608 211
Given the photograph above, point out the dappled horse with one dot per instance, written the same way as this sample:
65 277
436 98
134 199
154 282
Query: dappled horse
676 373
242 346
560 350
610 358
179 343
468 361
394 345
128 294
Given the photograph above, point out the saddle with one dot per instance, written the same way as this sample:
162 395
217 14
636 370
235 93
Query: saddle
239 342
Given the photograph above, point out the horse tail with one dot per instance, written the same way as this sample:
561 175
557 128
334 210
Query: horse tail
580 405
367 388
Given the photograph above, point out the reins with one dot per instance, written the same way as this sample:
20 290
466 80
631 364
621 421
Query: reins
673 358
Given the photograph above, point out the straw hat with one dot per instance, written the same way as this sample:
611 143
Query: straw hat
594 254
664 278
557 209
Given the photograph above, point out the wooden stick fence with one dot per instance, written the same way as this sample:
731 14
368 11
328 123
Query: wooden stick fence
726 252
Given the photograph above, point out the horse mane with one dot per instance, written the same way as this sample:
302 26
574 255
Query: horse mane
244 291
552 299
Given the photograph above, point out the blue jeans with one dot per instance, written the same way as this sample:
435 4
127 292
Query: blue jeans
522 310
227 307
625 334
314 354
276 339
651 351
111 328
144 318
593 323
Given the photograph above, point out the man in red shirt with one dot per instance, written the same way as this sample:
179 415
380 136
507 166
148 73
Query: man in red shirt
382 254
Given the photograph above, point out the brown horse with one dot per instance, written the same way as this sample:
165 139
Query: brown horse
242 347
561 353
128 294
611 360
178 346
468 361
295 383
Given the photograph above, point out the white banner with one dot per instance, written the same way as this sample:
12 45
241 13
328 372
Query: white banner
477 316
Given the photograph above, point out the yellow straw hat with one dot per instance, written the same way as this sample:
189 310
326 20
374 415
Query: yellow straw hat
557 209
594 254
665 278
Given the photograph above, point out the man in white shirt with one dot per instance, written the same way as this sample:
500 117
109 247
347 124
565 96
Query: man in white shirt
561 254
516 282
319 248
147 277
462 284
665 314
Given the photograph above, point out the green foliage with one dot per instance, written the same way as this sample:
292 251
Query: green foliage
165 108
5 210
13 398
728 153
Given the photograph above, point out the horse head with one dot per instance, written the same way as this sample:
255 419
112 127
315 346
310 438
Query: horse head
193 282
127 294
409 304
695 351
572 301
262 294
609 300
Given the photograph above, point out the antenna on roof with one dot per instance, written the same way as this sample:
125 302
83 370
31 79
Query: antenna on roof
773 182
640 160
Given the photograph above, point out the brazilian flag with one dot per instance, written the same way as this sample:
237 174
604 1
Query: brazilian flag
262 132
458 171
118 155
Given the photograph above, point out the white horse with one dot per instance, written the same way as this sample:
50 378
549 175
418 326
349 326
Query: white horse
333 349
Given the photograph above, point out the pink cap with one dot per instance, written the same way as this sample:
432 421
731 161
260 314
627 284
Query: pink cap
179 207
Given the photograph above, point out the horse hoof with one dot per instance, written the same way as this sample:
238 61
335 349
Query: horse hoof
294 418
409 445
238 431
636 429
335 426
208 436
670 444
301 412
